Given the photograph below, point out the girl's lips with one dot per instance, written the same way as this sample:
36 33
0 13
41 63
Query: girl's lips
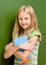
24 24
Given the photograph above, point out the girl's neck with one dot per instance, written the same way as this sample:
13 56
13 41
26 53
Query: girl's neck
27 31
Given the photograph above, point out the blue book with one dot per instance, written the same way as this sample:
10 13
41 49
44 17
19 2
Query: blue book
21 40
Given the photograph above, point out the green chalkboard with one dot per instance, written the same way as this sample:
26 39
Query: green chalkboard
8 9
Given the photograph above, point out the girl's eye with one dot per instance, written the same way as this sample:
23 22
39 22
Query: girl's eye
26 18
20 18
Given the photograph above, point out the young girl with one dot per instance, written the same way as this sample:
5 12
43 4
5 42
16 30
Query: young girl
25 24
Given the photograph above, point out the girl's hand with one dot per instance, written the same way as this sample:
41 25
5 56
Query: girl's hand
29 45
25 55
8 46
26 46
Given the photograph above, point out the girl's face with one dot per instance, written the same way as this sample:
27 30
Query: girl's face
24 19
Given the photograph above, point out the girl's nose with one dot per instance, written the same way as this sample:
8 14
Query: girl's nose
23 21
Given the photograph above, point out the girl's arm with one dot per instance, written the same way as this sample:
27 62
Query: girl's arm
19 54
23 55
30 44
28 48
9 50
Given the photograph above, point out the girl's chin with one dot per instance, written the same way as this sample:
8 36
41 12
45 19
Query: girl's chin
24 27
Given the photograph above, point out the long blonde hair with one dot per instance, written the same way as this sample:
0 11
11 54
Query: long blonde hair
17 29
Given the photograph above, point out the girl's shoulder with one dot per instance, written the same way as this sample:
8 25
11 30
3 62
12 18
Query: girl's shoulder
35 33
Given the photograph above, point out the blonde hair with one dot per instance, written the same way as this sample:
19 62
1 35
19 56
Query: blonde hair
17 29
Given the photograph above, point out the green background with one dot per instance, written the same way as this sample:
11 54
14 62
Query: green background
8 9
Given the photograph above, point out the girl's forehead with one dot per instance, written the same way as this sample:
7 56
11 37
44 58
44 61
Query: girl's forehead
23 13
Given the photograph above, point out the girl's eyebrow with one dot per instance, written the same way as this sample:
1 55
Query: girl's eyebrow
26 17
22 17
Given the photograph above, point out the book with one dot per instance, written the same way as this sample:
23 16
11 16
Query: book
21 40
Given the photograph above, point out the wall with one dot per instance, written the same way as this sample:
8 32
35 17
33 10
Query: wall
8 9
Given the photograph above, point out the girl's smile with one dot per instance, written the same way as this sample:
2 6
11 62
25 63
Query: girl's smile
24 19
